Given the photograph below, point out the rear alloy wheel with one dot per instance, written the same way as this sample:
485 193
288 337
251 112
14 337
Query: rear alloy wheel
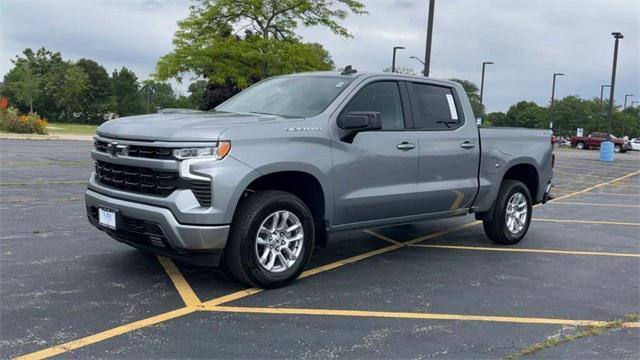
617 148
271 239
511 214
580 146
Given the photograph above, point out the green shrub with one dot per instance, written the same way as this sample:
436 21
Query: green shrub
31 123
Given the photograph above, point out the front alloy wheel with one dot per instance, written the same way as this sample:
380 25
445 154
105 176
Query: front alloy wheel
279 241
271 239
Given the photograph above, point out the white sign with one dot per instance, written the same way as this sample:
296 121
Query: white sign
452 107
580 132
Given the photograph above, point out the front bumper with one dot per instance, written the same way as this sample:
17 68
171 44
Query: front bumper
155 229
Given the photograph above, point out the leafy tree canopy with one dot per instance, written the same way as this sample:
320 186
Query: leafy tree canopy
243 41
474 96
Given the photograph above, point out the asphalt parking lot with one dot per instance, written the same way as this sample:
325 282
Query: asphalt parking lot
430 290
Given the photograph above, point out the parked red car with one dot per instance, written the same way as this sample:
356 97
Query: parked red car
593 142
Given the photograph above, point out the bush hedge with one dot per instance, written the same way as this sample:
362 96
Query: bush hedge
30 123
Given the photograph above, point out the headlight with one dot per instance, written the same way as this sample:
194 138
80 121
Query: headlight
213 152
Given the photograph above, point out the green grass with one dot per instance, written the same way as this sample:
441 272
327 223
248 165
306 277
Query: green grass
70 129
583 332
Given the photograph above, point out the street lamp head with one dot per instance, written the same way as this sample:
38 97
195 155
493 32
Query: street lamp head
617 35
558 74
488 62
398 47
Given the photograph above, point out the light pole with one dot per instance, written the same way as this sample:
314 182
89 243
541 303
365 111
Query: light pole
625 106
553 96
602 92
484 63
420 60
427 51
638 122
393 62
617 36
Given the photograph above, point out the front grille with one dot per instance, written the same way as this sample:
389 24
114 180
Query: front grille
151 182
136 179
151 152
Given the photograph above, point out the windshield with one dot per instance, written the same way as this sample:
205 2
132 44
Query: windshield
295 96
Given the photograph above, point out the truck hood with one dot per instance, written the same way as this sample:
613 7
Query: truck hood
185 125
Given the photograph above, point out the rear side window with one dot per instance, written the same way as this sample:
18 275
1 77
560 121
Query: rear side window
382 97
434 107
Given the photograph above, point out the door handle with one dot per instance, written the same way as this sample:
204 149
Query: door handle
406 146
467 145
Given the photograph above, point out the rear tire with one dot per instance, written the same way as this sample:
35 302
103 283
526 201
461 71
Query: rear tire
580 146
511 214
255 252
617 148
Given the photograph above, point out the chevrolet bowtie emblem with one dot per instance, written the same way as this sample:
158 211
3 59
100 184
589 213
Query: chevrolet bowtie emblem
116 149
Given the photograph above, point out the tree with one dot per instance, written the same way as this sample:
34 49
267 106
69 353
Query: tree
215 94
497 118
157 95
527 114
474 97
95 101
23 84
196 93
69 87
125 88
207 42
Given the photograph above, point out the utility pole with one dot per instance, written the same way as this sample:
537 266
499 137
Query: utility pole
484 63
617 36
623 115
393 62
427 53
553 96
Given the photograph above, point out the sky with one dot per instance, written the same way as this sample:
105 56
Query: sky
528 40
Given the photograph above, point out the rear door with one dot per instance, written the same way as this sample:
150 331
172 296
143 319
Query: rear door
449 148
375 175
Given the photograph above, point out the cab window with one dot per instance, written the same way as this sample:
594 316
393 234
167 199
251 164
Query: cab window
434 107
382 97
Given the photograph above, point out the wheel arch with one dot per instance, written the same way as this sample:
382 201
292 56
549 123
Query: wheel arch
303 184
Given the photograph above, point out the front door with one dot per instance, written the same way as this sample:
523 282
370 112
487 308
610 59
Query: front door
375 175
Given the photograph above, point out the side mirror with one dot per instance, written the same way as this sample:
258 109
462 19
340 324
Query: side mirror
354 122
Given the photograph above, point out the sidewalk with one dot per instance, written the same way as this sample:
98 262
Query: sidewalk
12 136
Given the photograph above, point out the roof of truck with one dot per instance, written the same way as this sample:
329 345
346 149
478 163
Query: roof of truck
369 74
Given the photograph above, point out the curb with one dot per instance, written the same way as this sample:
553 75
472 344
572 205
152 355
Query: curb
12 136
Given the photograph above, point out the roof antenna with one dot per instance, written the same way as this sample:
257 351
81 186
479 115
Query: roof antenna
348 70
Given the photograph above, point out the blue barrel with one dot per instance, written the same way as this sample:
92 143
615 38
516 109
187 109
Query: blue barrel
606 151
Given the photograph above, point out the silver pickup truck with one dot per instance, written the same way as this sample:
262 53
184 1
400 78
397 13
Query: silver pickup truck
267 175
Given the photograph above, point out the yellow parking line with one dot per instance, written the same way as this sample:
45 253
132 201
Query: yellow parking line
184 289
596 186
614 194
381 237
596 204
213 304
568 221
104 335
411 315
525 250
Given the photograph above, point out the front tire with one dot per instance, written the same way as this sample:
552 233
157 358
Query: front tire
580 146
511 214
271 239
